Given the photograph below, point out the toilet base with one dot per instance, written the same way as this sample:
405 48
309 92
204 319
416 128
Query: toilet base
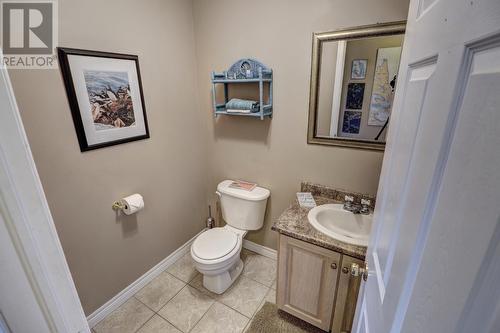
220 282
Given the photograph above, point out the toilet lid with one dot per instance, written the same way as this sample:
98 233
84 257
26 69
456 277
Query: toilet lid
214 243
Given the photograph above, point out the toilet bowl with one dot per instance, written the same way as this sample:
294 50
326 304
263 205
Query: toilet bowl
216 252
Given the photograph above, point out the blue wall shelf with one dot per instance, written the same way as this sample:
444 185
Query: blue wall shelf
244 71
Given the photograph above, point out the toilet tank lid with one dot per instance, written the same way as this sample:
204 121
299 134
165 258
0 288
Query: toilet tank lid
257 194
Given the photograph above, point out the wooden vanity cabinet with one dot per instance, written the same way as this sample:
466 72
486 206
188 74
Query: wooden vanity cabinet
312 287
307 277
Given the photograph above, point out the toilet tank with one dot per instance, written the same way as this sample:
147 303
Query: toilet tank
243 209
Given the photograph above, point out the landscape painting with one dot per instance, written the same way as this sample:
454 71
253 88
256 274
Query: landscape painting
355 93
110 100
105 97
384 82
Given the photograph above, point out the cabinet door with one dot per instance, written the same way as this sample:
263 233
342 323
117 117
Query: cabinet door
307 278
347 296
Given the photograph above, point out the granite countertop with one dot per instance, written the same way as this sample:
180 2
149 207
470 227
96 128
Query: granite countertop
293 222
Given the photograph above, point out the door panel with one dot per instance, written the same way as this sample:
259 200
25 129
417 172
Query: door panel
307 281
19 306
419 77
302 269
471 181
424 5
436 223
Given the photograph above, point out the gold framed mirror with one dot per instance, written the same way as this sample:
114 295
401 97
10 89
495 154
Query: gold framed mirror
353 79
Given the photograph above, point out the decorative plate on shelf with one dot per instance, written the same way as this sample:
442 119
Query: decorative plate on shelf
245 68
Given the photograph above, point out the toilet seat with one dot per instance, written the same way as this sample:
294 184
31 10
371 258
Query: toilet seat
214 244
225 253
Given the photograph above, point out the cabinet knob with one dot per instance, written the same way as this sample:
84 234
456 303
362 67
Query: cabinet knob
333 265
345 270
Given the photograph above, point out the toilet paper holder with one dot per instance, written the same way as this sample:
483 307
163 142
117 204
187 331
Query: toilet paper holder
130 204
118 205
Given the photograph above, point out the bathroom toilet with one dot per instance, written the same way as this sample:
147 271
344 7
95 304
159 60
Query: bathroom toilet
216 252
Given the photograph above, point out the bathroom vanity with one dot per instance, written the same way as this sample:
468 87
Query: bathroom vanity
315 279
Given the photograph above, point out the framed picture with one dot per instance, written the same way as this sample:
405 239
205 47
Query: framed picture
358 69
105 96
351 122
355 94
384 83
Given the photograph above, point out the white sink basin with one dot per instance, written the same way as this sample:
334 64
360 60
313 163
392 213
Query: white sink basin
336 222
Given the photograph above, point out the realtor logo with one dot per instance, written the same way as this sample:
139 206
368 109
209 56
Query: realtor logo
29 33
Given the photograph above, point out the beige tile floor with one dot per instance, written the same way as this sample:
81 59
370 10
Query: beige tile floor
176 301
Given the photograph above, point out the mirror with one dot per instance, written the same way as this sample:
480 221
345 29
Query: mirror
353 79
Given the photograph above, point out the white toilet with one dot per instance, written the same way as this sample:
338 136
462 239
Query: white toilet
216 252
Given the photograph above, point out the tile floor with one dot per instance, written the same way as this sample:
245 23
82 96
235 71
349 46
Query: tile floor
176 301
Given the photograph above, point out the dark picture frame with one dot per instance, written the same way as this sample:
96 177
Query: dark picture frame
355 96
132 125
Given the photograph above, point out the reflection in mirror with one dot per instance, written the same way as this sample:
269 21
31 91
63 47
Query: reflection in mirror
365 72
353 90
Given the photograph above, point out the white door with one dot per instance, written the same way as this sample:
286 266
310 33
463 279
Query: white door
37 293
17 298
434 255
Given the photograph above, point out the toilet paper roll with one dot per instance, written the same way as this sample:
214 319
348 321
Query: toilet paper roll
132 204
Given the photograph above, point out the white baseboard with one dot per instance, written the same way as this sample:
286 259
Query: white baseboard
135 286
260 249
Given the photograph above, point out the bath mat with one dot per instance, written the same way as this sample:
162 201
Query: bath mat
270 319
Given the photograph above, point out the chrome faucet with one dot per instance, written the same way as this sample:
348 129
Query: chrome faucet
362 208
350 206
365 207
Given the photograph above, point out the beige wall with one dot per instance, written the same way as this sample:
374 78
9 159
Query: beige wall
274 152
106 253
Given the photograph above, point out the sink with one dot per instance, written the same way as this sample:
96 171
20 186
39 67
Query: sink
336 222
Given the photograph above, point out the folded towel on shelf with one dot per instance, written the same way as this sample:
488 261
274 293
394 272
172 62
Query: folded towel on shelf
238 111
242 104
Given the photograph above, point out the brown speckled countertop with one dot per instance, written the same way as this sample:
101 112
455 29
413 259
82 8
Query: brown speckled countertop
293 221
